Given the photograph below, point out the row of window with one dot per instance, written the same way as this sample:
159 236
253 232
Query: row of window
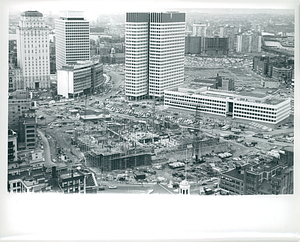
43 57
204 109
254 114
31 32
202 104
129 92
71 183
35 46
136 78
252 110
252 106
164 73
254 118
40 40
35 51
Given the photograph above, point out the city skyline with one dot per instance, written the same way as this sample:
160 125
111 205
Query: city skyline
156 58
241 213
129 6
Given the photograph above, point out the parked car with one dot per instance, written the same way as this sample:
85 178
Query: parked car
112 187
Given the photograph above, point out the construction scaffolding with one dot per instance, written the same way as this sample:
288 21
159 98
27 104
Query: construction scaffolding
108 161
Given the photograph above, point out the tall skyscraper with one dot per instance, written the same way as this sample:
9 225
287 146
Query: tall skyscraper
72 38
154 57
33 50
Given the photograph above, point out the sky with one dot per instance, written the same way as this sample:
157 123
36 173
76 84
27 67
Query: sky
92 8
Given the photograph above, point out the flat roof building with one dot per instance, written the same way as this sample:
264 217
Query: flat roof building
18 102
27 130
154 54
232 181
246 106
12 146
72 41
263 178
84 77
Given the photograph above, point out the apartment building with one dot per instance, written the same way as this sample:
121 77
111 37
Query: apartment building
248 42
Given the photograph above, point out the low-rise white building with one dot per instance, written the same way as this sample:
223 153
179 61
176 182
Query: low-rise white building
247 106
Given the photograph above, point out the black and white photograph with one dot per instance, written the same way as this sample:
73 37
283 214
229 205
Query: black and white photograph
159 102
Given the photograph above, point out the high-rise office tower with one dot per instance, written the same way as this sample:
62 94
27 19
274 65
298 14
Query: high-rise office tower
72 38
33 50
136 55
154 56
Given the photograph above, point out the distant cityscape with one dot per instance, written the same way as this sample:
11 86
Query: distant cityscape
197 102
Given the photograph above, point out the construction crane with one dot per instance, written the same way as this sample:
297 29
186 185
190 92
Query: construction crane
196 133
153 112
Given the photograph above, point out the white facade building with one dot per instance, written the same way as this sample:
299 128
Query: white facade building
229 104
248 42
136 56
33 50
154 56
81 78
166 52
200 29
72 38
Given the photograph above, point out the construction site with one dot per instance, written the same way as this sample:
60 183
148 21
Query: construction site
117 139
123 143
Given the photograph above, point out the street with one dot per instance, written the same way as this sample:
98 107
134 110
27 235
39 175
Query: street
48 161
127 188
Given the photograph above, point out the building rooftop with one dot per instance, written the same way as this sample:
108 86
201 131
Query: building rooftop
80 64
69 175
262 167
241 96
71 14
32 14
235 173
288 148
